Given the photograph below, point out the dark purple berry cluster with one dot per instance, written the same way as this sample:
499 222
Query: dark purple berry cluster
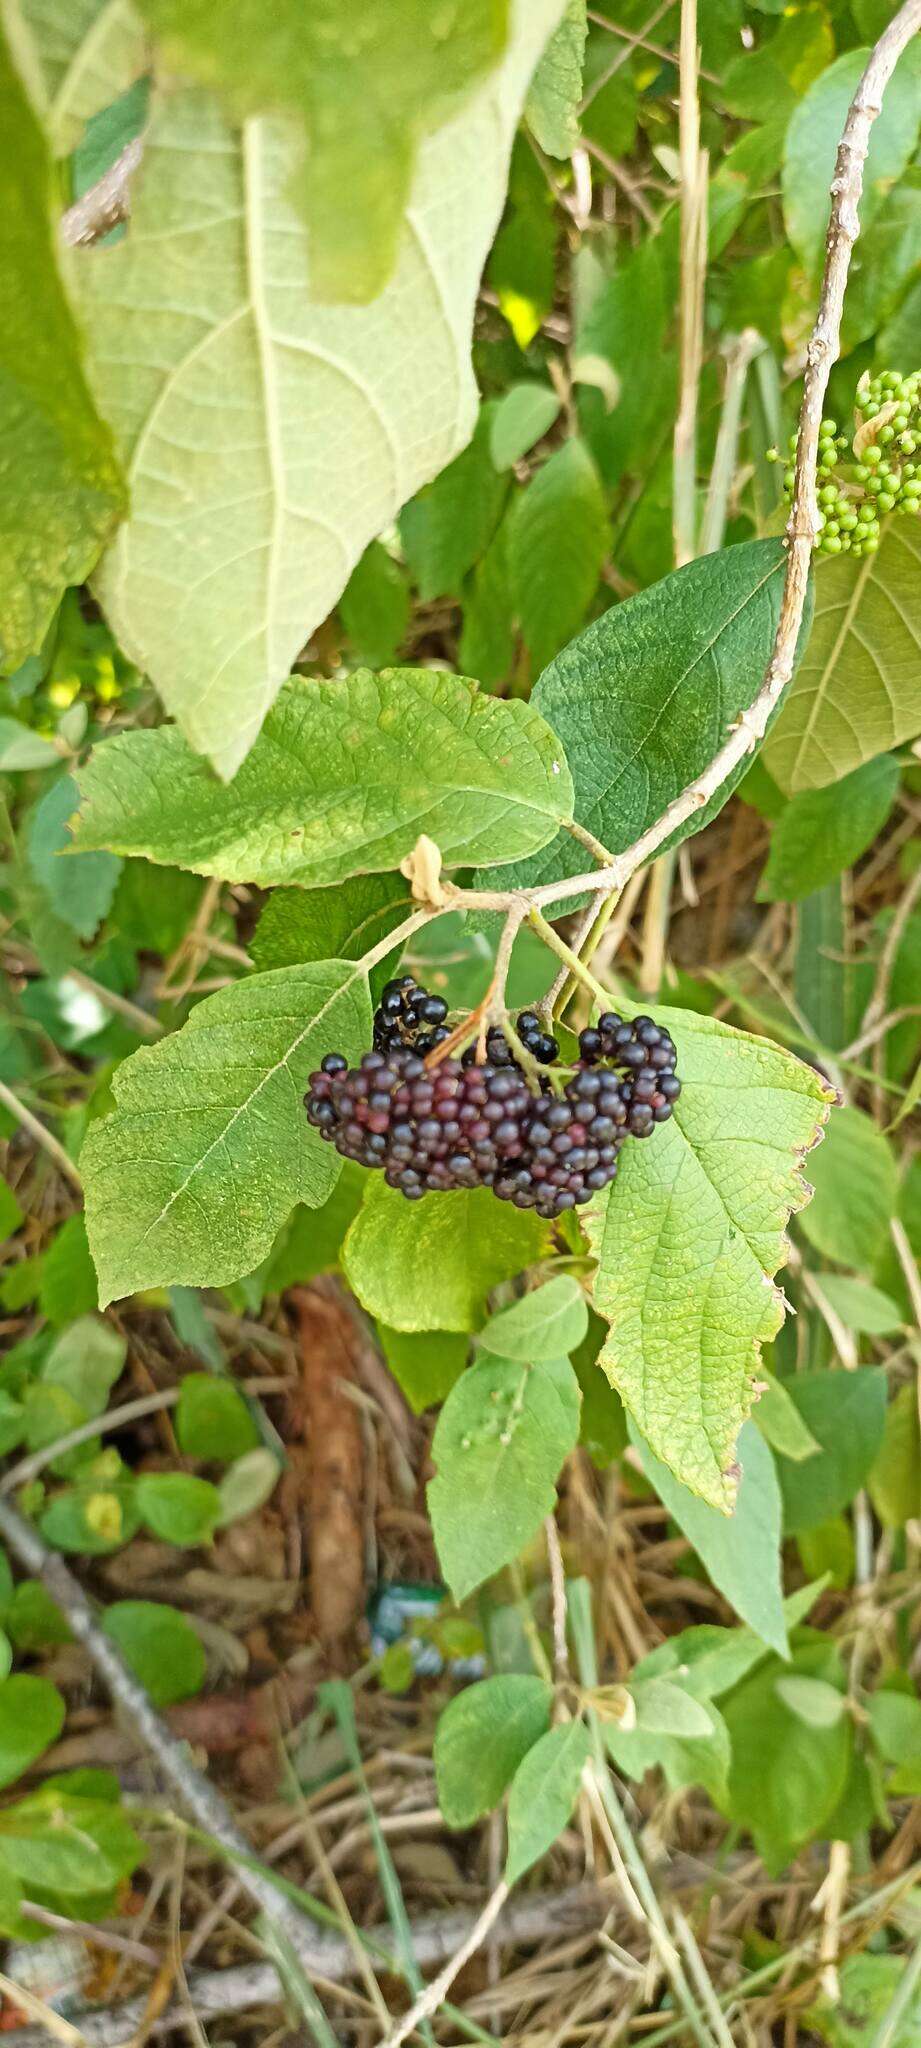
469 1123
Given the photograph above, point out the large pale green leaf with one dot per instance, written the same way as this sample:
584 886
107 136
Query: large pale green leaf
267 437
858 688
501 1439
812 140
62 491
87 53
208 1147
342 781
647 694
363 90
689 1238
430 1265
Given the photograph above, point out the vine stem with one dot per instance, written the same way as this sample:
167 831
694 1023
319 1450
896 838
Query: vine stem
40 1132
802 525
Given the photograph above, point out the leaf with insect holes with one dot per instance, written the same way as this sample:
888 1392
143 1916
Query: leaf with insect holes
857 690
269 437
191 1175
690 1236
644 698
501 1439
342 781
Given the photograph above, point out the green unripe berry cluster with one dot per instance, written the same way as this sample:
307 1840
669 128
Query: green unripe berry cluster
880 474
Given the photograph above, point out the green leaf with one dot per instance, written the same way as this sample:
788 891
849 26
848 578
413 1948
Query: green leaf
247 1484
684 1759
31 1718
552 107
311 1242
482 1737
824 831
741 1552
855 692
79 890
487 642
86 1360
549 1321
425 1364
20 747
860 1306
812 1700
159 1646
274 437
828 1550
644 698
92 1519
34 1620
558 539
430 1265
845 1412
544 1791
330 924
212 1419
178 1508
343 779
447 528
523 415
12 1422
812 140
780 1421
362 103
11 1215
854 1177
374 607
62 489
868 1982
786 1777
501 1438
894 1478
65 1846
663 1708
68 1281
690 1236
190 1177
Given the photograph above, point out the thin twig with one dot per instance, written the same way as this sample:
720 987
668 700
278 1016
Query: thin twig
199 1798
436 1992
558 1594
533 1918
739 355
43 1137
